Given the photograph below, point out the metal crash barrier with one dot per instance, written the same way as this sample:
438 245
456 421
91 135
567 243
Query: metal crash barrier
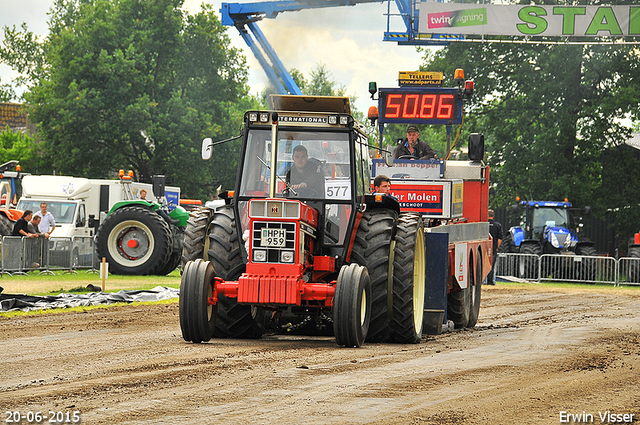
21 255
569 268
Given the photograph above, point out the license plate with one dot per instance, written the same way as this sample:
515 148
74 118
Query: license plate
274 238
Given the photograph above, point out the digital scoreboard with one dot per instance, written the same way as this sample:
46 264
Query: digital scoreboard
427 105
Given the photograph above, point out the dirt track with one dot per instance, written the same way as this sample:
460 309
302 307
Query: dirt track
535 353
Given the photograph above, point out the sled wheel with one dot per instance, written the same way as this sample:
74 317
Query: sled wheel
475 294
459 302
197 314
352 306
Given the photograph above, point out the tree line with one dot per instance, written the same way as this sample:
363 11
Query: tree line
139 83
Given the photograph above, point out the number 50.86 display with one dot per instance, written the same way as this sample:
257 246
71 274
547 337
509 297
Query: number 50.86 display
403 105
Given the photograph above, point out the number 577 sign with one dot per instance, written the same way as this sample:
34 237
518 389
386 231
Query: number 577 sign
337 189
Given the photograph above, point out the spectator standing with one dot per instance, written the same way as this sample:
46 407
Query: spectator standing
48 223
495 230
21 228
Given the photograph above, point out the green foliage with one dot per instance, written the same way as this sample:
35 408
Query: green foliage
138 84
23 52
23 148
549 113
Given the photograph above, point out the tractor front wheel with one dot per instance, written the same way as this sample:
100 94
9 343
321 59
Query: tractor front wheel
352 306
197 313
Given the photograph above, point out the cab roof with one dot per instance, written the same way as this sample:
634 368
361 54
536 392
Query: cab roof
287 102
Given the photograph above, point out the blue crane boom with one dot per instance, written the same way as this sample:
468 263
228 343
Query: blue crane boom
244 16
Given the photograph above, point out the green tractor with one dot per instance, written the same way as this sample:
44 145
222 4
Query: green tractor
140 237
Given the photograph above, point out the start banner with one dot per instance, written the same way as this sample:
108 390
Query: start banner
529 20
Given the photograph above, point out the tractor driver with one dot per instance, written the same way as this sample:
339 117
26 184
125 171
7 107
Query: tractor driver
412 147
305 176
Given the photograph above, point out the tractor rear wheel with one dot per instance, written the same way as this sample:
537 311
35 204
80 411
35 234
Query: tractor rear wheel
175 258
528 265
352 306
234 320
507 245
408 280
197 314
196 236
373 248
588 266
135 241
6 225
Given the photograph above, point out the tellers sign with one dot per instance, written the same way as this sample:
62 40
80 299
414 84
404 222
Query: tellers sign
420 106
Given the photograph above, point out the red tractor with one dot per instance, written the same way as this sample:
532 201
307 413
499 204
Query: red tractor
335 255
302 241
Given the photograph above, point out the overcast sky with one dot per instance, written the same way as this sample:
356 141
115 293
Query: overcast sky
348 40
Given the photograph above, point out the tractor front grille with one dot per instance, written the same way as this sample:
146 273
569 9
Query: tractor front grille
273 254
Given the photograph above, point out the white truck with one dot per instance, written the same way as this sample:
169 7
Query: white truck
80 206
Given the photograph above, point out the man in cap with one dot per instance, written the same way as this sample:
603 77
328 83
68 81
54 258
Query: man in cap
413 148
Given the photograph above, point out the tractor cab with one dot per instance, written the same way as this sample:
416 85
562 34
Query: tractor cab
306 159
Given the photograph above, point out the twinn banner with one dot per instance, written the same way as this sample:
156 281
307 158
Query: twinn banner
529 20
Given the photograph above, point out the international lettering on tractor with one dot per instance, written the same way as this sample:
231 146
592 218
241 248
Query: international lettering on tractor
303 245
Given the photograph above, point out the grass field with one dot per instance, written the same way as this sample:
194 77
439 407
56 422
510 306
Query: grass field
45 284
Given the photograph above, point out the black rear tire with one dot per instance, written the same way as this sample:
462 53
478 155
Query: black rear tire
234 320
135 241
197 315
196 236
408 280
352 306
588 266
373 248
459 302
507 245
528 266
476 292
6 225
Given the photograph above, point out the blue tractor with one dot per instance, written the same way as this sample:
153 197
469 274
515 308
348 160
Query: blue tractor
546 227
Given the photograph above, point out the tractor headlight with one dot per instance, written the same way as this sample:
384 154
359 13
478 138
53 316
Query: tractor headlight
259 255
286 256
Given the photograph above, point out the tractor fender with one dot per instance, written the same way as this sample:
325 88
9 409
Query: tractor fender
382 201
11 214
517 234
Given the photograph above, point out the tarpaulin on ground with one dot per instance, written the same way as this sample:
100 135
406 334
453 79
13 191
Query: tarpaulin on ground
13 302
